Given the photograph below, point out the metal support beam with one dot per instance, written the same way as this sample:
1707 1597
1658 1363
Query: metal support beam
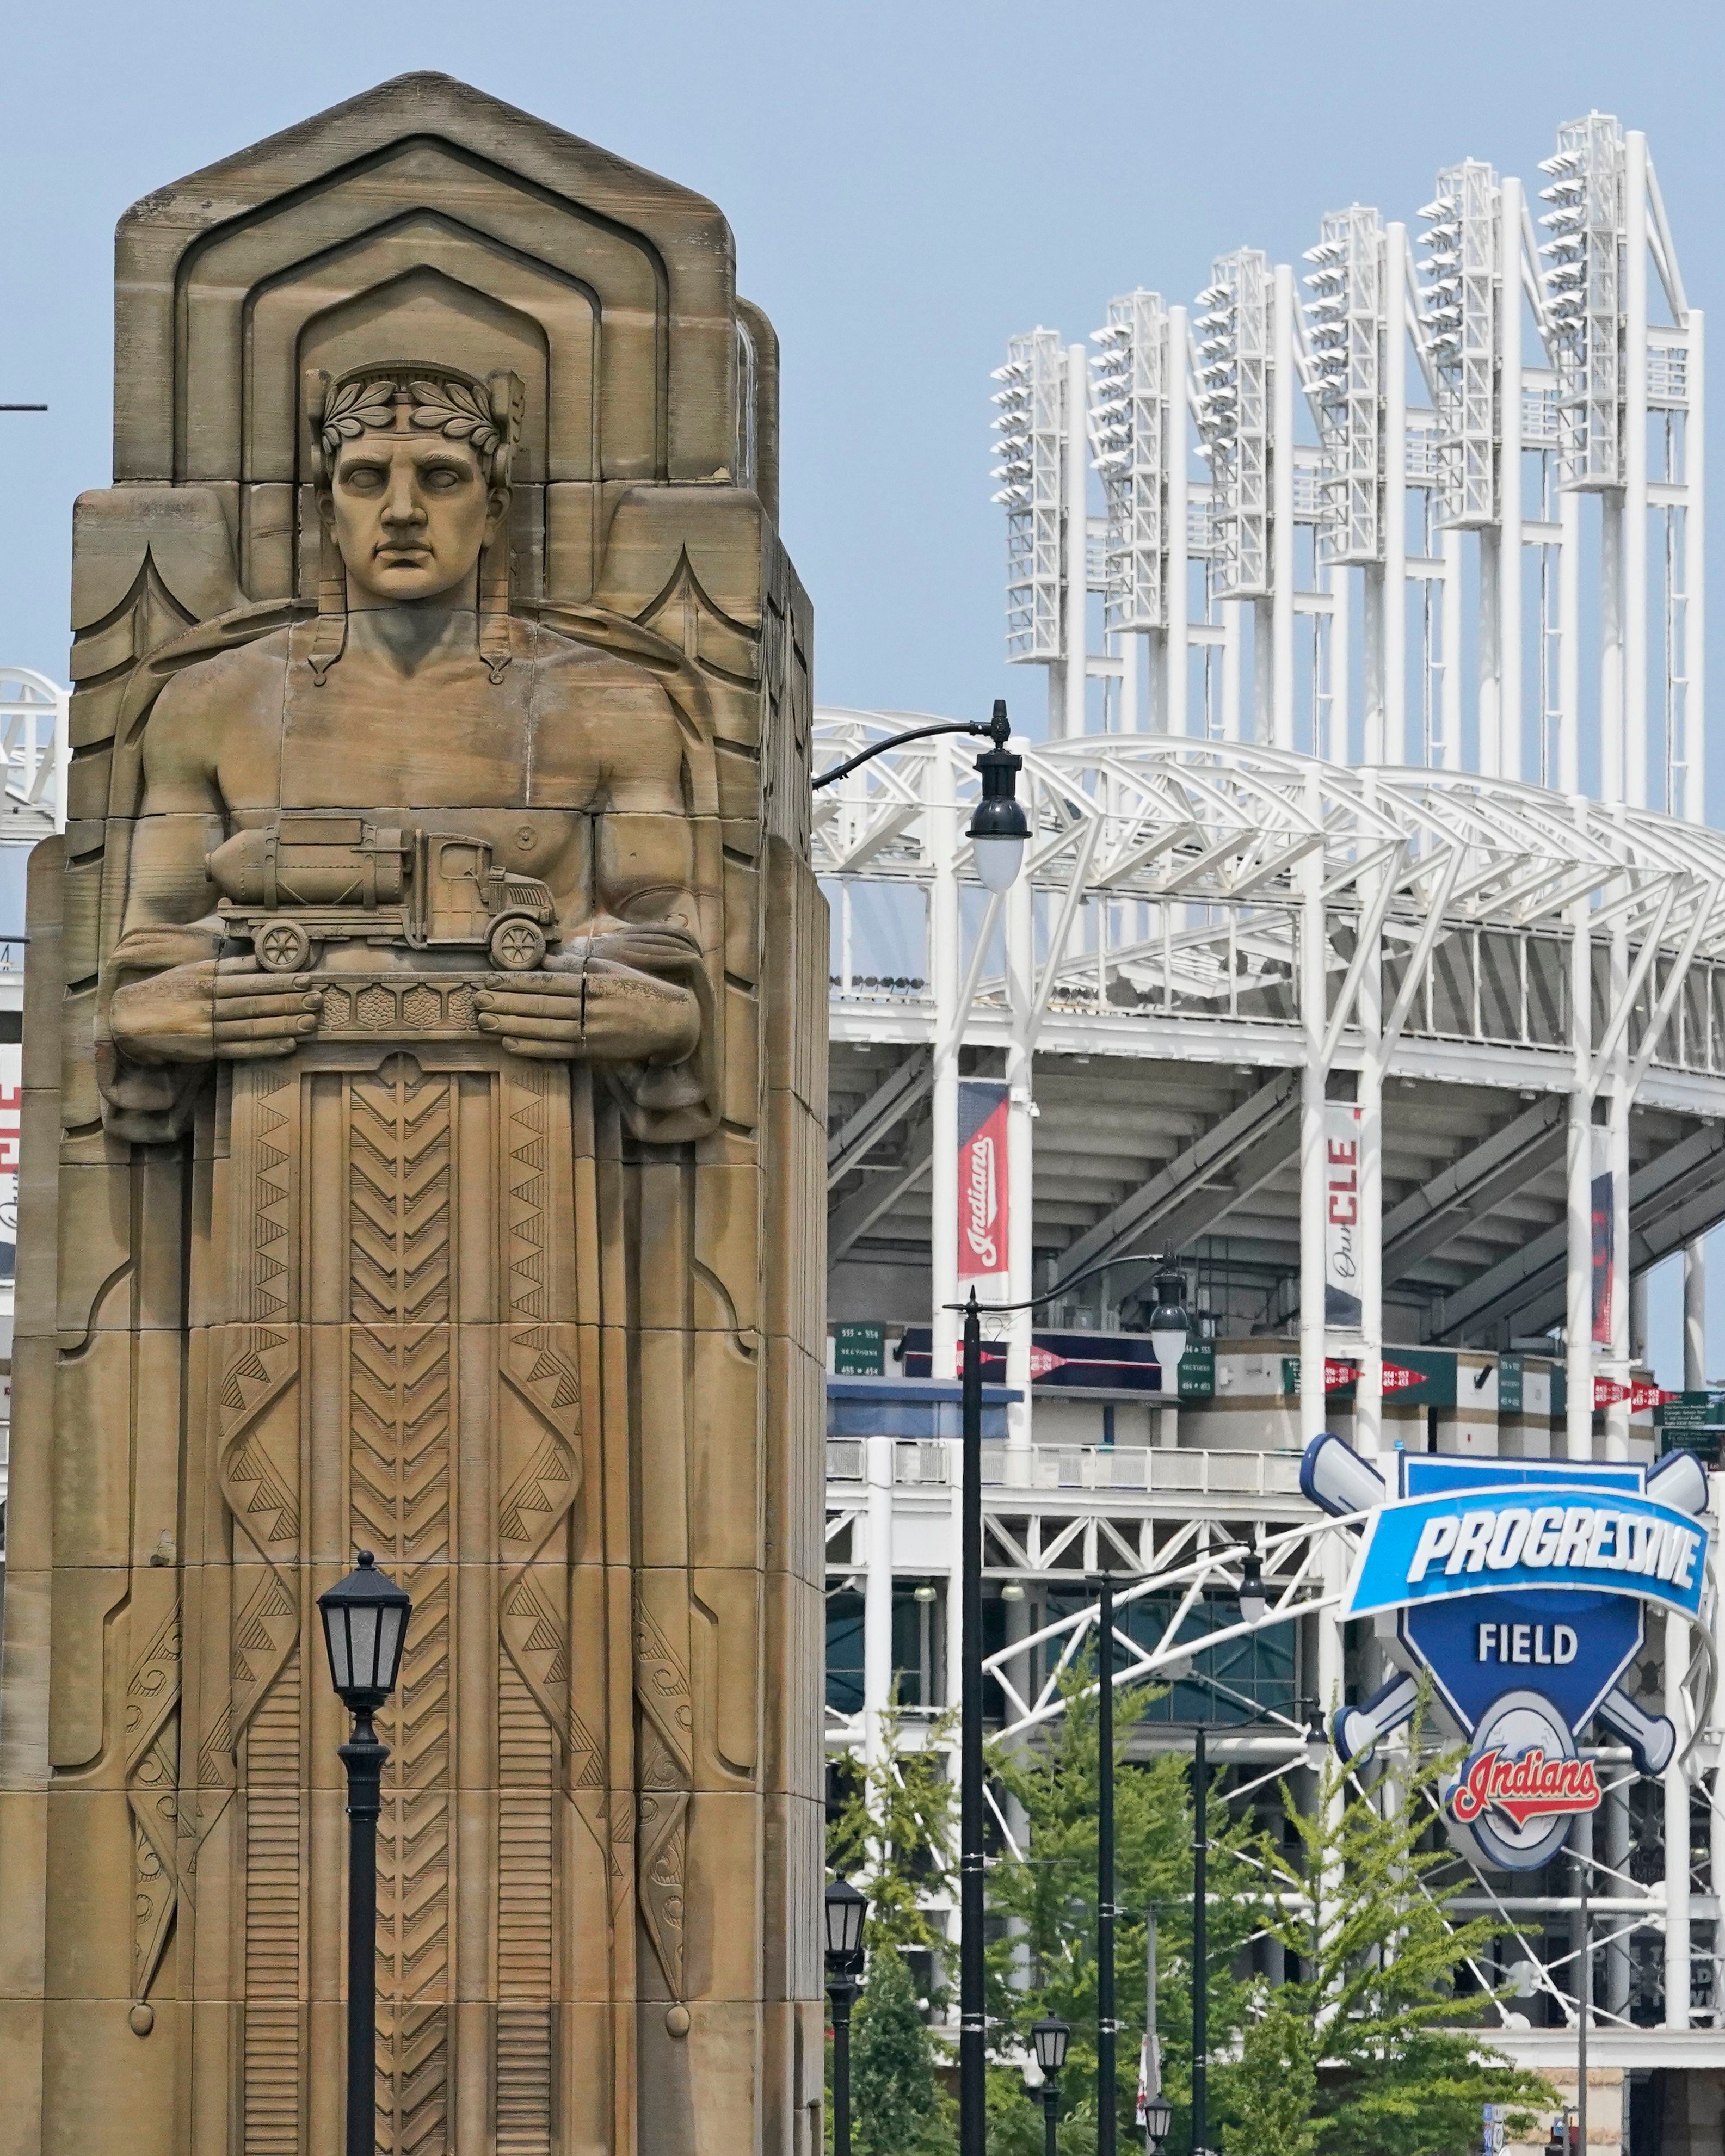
1472 1187
1204 1161
1673 1200
854 1216
886 1107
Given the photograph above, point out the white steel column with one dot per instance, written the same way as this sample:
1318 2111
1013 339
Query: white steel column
1395 495
1677 1830
1177 601
1568 775
1020 910
1373 579
1694 730
877 1601
1635 469
1312 1015
1369 1398
1611 747
945 980
1578 1307
1451 625
1233 621
1491 679
1281 731
1075 591
1617 1412
1695 1315
1510 687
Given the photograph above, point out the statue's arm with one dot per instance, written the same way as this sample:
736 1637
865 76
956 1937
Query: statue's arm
175 1000
629 987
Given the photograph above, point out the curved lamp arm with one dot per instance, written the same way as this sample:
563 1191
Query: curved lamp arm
997 729
1064 1286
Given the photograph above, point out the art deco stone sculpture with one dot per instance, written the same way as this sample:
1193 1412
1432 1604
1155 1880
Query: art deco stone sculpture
424 1120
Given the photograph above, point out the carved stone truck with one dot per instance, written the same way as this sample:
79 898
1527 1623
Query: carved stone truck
294 885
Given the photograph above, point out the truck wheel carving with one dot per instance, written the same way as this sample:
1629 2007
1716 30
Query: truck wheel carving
517 946
282 947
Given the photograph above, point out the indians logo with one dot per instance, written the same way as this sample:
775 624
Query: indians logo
1526 1786
981 1201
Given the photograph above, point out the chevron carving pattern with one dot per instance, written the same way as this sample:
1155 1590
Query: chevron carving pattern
401 1463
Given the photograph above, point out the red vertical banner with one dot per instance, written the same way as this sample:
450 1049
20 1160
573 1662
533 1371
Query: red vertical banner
1605 1225
984 1192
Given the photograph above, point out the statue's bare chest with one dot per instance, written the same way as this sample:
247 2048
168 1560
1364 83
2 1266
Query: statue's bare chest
447 738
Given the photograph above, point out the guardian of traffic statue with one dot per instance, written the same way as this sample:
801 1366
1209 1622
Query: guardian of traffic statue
423 1096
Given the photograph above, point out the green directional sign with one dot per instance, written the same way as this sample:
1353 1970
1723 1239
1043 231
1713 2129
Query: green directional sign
1198 1373
860 1351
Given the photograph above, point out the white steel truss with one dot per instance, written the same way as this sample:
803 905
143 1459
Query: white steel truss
34 744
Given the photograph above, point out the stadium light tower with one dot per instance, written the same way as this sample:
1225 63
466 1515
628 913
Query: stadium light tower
1458 308
1029 427
1129 433
1345 339
1234 346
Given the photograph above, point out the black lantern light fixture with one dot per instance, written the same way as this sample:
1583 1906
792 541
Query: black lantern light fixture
1049 2038
1254 1599
1158 2121
997 829
846 1912
365 1628
1170 1328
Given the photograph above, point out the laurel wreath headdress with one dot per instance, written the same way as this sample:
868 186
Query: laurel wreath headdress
462 407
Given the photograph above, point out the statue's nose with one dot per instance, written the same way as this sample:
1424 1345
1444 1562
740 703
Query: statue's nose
403 505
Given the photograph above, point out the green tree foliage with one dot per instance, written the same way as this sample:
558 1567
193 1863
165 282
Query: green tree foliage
1361 2054
897 2107
894 1835
1050 1890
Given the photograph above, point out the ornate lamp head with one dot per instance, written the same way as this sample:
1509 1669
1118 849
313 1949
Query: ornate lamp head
427 405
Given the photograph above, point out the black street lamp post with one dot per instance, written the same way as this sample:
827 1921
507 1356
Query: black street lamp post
1106 2092
1048 2040
1169 1330
846 1912
365 1625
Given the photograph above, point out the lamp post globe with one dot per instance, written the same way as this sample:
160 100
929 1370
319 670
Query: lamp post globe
997 828
845 1912
1049 2038
365 1628
1170 1328
1254 1602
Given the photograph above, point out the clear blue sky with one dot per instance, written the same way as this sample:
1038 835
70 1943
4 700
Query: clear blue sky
909 184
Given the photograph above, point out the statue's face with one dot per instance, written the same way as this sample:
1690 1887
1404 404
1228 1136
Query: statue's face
411 512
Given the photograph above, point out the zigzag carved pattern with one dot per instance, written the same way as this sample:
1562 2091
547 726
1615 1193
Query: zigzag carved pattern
398 1404
400 1432
272 1189
414 1899
398 1196
525 1173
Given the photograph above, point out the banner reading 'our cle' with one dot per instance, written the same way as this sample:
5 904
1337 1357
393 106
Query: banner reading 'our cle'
1342 1214
985 1191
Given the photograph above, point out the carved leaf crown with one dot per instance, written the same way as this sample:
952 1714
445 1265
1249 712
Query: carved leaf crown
439 399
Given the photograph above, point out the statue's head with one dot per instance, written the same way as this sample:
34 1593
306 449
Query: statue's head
413 488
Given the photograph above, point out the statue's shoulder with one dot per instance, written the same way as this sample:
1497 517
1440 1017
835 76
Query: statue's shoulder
555 655
202 708
235 674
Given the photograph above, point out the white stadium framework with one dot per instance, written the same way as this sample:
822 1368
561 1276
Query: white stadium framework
1374 772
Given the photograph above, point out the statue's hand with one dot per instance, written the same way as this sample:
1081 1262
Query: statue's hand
219 1008
607 1014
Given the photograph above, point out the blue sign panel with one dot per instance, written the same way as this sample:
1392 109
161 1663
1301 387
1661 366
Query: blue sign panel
1519 1590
